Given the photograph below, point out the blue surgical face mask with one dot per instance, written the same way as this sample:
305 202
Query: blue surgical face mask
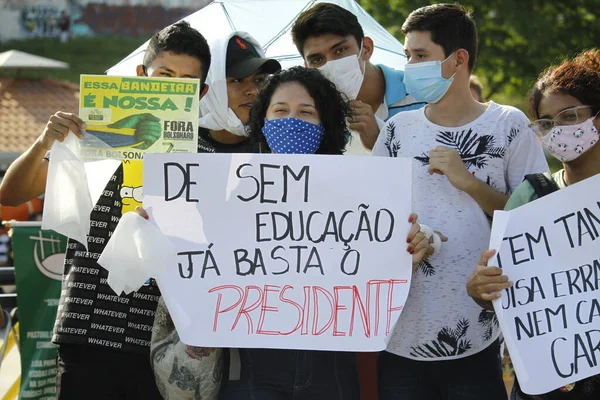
292 136
424 80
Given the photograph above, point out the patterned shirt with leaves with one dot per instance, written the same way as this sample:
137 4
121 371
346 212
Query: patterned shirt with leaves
439 320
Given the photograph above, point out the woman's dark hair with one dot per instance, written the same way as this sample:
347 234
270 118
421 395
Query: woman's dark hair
330 104
578 77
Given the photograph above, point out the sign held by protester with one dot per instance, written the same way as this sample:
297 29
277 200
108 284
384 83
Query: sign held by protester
276 251
135 115
550 317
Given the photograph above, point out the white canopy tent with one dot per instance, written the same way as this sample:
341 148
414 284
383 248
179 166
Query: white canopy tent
20 60
270 22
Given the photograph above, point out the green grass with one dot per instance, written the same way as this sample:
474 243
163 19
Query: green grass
85 55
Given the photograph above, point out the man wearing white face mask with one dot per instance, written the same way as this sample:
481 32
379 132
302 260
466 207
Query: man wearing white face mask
468 157
238 72
331 39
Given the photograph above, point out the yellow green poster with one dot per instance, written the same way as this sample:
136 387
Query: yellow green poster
135 115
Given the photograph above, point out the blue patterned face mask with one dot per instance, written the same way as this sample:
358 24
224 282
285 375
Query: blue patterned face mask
292 136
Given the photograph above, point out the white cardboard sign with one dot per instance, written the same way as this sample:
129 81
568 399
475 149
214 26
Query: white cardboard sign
550 318
283 251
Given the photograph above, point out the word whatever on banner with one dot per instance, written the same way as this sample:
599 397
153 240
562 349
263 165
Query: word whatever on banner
550 317
304 252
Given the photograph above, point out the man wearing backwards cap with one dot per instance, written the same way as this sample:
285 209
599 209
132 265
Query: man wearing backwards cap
238 70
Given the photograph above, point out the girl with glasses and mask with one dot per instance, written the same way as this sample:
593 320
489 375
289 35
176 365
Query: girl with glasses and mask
299 111
566 103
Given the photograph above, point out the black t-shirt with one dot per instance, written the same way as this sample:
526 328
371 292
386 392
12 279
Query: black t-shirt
90 312
206 144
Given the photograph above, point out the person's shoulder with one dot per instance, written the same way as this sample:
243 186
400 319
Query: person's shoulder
523 194
391 72
395 91
406 117
509 113
511 122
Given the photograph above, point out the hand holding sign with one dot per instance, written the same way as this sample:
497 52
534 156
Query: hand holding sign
418 245
487 283
58 127
147 128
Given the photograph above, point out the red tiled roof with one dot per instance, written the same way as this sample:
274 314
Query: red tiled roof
26 105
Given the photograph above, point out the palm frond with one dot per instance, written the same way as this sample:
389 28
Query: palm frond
467 141
392 145
479 162
423 159
453 338
448 138
462 327
496 152
483 144
426 267
463 346
419 352
432 350
489 332
446 335
512 135
441 349
485 318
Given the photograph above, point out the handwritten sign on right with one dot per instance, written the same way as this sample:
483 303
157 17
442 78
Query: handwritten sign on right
550 317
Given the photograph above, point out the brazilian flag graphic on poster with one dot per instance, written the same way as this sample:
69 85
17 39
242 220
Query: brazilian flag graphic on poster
39 262
136 115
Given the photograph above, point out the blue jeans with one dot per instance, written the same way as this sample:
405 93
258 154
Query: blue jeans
477 377
293 375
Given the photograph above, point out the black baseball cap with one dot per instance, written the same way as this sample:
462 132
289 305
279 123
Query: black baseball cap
242 60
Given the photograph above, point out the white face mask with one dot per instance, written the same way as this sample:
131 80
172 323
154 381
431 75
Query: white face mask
346 74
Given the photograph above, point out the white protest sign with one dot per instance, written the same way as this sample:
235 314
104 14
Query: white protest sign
550 318
283 251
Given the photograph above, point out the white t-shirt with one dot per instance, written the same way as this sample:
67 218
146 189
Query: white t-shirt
439 320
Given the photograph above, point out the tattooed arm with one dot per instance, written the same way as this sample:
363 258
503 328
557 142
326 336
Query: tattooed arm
446 161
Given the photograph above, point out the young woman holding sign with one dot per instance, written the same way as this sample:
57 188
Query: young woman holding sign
566 102
299 111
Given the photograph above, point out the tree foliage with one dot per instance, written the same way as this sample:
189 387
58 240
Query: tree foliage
518 39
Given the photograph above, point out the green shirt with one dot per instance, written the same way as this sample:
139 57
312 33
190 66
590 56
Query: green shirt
524 193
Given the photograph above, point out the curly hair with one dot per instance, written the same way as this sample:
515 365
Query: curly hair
578 77
330 105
